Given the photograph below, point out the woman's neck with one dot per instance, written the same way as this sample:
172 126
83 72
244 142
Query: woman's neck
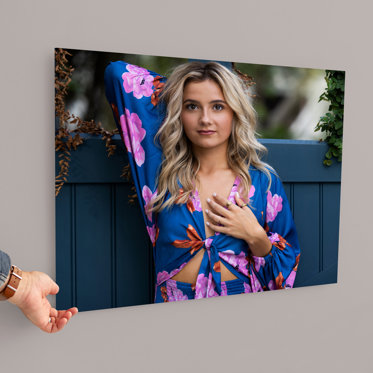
211 161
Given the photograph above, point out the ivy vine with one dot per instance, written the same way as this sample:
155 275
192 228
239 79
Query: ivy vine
66 139
332 122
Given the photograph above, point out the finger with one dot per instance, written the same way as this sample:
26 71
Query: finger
73 310
244 205
239 201
57 325
224 203
60 324
218 208
217 219
220 200
66 314
217 228
53 312
48 327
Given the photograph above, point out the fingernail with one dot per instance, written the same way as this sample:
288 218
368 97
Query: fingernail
207 223
207 211
208 200
214 194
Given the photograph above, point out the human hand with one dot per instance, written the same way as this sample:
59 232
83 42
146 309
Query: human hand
31 298
238 222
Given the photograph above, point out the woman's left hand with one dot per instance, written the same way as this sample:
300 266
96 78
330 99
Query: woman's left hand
238 222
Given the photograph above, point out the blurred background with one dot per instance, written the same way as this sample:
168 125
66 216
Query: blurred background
285 98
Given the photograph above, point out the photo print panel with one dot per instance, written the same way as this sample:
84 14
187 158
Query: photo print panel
181 179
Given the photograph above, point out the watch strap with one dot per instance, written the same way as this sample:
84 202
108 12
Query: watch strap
15 278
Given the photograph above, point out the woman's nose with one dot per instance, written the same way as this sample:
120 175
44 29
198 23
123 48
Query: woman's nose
205 117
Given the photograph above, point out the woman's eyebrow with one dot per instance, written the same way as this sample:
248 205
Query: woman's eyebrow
215 101
190 100
196 101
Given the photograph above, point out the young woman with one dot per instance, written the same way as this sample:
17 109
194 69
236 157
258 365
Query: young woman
217 216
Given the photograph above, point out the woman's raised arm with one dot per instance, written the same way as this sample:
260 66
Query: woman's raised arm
133 94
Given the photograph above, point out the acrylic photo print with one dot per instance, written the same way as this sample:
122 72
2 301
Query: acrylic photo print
182 179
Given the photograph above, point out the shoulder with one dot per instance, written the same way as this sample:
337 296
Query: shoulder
266 176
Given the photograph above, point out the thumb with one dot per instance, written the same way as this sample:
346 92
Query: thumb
52 288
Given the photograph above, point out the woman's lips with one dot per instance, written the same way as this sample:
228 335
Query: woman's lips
206 132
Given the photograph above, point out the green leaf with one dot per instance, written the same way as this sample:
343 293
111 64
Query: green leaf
335 152
327 163
338 143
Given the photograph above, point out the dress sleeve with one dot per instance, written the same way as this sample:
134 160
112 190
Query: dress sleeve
133 94
4 267
277 270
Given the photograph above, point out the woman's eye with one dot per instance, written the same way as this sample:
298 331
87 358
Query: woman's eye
191 106
218 107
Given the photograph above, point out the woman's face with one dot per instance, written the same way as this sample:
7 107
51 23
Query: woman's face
206 117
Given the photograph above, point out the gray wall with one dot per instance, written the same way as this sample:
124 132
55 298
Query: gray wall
323 328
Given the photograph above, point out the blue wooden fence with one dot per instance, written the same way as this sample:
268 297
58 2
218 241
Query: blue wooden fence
103 255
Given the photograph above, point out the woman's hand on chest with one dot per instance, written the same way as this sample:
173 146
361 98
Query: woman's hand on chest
239 222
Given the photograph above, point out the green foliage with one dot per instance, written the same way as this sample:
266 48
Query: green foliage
332 122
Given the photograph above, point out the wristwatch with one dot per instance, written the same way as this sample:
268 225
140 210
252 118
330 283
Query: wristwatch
11 287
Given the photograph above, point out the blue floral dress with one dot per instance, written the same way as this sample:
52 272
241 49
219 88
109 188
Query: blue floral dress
178 234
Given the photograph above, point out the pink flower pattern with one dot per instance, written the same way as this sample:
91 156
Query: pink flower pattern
251 191
235 190
224 290
274 237
274 206
196 201
174 294
138 80
164 275
255 284
258 262
290 280
208 242
132 129
205 287
238 261
152 231
148 197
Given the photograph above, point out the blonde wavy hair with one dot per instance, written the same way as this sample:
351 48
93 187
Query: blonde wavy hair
179 162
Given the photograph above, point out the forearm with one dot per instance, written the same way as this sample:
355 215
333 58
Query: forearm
259 243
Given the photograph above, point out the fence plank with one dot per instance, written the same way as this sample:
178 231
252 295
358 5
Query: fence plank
133 254
331 208
65 245
306 217
93 242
